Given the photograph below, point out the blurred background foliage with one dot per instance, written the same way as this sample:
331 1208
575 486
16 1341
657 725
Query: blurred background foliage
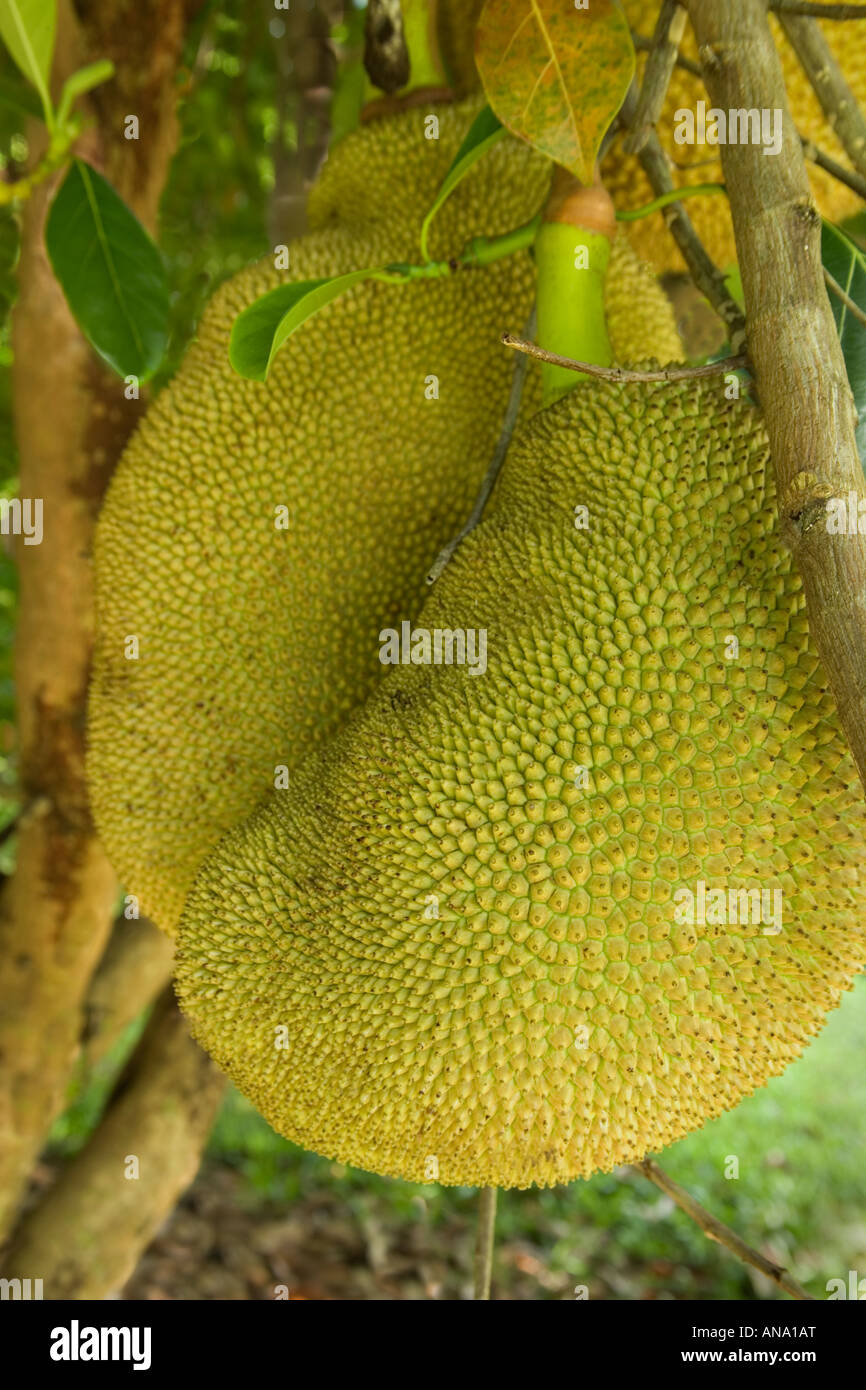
801 1191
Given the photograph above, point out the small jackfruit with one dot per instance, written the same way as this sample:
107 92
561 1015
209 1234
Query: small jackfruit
556 897
256 538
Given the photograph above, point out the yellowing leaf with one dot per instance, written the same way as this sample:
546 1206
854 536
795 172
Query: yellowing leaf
556 75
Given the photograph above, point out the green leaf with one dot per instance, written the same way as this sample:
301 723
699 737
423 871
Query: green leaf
17 96
483 133
259 332
847 264
84 80
554 75
27 27
110 271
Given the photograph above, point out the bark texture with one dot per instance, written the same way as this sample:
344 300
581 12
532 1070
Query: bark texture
85 1238
135 968
798 363
72 422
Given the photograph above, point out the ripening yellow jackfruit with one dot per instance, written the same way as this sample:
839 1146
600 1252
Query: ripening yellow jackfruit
623 175
256 538
699 163
508 927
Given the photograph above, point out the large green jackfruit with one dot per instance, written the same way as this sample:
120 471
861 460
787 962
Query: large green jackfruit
507 928
372 433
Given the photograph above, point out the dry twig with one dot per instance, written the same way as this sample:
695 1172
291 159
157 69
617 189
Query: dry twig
718 1231
662 60
725 364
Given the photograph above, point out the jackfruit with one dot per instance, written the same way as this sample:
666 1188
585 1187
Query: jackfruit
623 175
373 432
641 321
461 946
700 163
253 643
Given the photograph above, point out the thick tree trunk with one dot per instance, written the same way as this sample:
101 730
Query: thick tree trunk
85 1238
72 421
136 967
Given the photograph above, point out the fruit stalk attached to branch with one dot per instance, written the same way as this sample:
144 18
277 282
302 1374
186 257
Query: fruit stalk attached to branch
572 251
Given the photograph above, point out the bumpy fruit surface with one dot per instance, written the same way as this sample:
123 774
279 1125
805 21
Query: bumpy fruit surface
458 946
255 642
373 432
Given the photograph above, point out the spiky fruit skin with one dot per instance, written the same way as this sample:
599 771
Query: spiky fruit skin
641 321
255 643
476 962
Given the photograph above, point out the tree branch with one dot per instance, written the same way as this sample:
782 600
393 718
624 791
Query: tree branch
86 1236
136 966
72 421
718 1231
794 349
838 102
708 278
663 54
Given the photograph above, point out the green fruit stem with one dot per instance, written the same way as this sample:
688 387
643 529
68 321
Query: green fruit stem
572 251
422 39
